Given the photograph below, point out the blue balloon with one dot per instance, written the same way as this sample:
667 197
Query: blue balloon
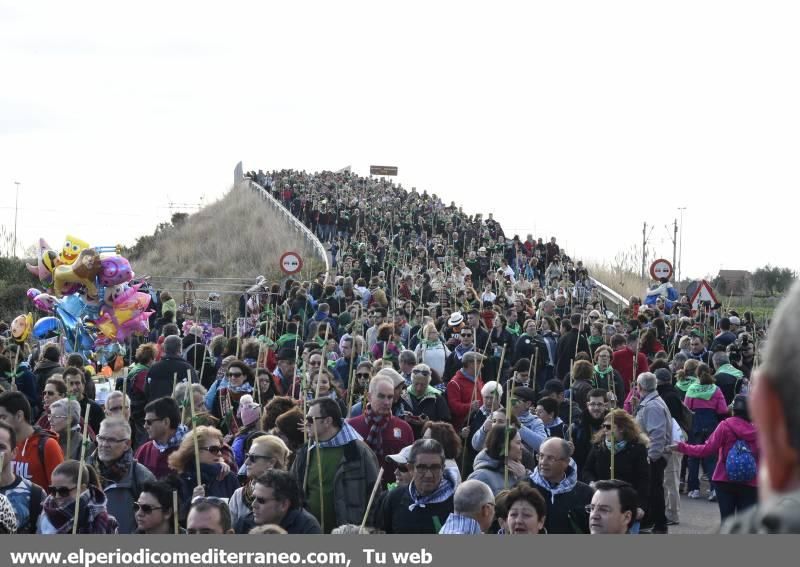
44 326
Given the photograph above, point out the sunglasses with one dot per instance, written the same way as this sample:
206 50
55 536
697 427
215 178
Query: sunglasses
254 458
50 394
144 508
60 491
152 421
607 426
235 374
214 449
362 375
466 335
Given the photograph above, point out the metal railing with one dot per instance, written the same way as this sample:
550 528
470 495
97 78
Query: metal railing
310 238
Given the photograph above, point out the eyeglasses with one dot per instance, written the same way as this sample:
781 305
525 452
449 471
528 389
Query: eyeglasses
108 440
433 469
312 418
145 508
254 458
60 491
52 417
114 410
151 421
214 449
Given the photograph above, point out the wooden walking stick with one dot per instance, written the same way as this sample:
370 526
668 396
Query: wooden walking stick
69 423
613 447
571 384
176 526
14 370
194 433
509 395
175 381
80 470
371 499
319 475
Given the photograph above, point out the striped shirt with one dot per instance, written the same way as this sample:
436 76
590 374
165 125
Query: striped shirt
457 524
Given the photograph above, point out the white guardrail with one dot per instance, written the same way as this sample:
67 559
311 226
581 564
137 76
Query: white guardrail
610 295
302 229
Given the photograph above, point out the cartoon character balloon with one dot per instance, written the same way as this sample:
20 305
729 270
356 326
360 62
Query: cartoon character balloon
114 270
42 301
45 263
82 271
21 327
72 248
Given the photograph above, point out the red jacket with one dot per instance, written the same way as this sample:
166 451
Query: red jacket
154 460
460 396
397 435
622 362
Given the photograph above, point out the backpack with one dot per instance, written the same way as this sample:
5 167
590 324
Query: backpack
740 464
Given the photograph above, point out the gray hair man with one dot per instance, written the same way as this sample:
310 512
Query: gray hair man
775 407
473 509
654 418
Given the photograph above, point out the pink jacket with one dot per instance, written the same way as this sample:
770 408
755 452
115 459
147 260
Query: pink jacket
721 441
716 403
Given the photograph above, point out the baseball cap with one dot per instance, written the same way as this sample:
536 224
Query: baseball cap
401 458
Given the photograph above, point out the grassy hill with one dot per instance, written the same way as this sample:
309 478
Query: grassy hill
238 236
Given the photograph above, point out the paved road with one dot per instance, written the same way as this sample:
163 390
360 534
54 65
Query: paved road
697 517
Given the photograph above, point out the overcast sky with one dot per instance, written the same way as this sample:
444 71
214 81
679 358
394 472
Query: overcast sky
575 119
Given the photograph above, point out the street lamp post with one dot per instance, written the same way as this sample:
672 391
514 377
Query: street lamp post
680 251
16 203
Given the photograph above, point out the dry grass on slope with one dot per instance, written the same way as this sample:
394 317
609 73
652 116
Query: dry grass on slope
238 236
623 281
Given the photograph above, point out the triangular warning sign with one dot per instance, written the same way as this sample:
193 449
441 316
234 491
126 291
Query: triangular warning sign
703 293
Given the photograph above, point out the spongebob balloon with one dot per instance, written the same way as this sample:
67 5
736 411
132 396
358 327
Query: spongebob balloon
72 247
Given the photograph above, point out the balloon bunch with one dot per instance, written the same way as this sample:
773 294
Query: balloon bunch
207 329
88 297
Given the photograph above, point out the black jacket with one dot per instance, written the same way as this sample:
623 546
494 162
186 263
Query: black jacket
161 375
566 512
394 517
584 430
565 351
630 465
296 521
672 398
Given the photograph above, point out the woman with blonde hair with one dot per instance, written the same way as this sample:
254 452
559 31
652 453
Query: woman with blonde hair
266 452
621 434
216 477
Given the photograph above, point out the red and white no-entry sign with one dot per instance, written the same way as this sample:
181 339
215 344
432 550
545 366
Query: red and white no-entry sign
661 269
291 263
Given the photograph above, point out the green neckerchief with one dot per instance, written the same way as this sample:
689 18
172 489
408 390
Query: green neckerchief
601 373
686 383
514 329
431 391
594 341
701 391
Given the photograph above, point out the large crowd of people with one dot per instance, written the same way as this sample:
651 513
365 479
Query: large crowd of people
442 378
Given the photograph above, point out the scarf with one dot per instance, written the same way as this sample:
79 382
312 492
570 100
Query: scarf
346 435
730 369
427 345
686 383
377 425
461 350
173 441
567 484
701 391
445 490
618 446
93 516
116 470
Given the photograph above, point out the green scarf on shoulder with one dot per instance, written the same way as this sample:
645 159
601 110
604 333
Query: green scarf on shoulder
686 383
701 391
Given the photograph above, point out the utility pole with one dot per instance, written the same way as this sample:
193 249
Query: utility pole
674 246
16 207
680 251
644 248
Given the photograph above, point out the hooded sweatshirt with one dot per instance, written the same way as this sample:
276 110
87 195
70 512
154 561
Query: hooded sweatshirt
721 442
492 472
29 463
